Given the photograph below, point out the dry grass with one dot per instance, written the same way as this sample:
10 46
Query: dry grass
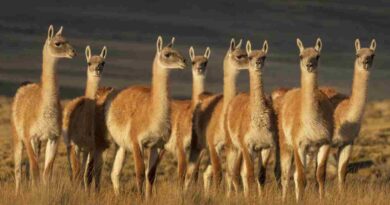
61 191
369 184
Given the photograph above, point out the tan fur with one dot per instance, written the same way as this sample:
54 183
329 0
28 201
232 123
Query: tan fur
210 114
304 122
36 110
181 141
349 111
79 125
181 119
250 124
101 140
139 117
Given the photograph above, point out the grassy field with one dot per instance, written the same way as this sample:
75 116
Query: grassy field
368 181
63 192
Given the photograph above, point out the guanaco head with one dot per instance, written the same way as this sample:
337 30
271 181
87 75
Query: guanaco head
365 56
57 45
256 58
96 62
236 58
199 63
309 57
102 94
167 57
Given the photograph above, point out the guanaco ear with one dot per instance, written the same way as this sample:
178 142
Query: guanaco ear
103 54
318 45
239 44
265 47
59 32
207 53
248 47
50 32
232 45
159 44
192 53
88 53
357 45
300 45
170 45
373 45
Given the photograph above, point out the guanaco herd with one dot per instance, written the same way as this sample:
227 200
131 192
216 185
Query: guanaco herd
294 124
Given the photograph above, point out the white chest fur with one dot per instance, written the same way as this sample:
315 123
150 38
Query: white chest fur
47 125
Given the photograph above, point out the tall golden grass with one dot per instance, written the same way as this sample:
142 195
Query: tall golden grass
62 191
368 185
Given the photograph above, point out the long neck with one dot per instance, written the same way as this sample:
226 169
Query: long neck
256 92
160 92
359 93
197 87
50 90
92 87
309 87
229 84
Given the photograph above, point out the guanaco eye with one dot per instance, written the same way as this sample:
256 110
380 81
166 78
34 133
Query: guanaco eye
204 64
250 58
193 62
103 63
263 58
240 57
89 64
57 44
317 57
167 55
300 57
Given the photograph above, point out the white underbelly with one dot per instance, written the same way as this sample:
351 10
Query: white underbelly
312 132
45 128
315 132
119 134
257 140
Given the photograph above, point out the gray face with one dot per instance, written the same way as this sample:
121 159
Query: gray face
172 59
365 58
256 59
60 47
239 58
199 64
309 59
95 66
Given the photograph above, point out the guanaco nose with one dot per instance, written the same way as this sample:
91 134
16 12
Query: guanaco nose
73 52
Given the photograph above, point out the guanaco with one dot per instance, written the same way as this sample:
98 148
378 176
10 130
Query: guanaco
250 124
36 110
181 141
78 128
304 122
210 114
139 117
349 110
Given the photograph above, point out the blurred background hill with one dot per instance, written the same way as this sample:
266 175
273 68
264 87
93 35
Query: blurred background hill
130 28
